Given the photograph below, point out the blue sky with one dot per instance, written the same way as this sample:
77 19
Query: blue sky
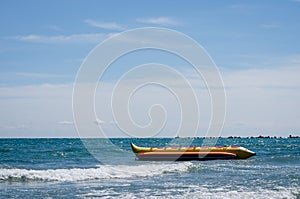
255 44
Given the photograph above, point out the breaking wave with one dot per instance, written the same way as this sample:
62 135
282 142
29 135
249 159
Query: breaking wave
101 172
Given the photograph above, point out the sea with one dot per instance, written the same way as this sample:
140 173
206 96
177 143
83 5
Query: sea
107 168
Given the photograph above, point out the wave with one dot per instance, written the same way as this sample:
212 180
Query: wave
172 191
243 192
101 172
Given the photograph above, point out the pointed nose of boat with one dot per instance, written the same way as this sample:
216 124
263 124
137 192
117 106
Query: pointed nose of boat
247 153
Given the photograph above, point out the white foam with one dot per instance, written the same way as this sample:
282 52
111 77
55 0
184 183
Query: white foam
198 192
102 172
243 192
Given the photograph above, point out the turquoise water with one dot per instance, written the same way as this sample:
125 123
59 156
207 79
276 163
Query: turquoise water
64 168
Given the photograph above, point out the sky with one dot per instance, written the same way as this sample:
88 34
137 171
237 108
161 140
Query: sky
255 45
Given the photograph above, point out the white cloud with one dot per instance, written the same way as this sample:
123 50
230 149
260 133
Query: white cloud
12 127
66 122
50 91
159 21
98 121
39 107
39 75
259 101
272 78
104 25
75 38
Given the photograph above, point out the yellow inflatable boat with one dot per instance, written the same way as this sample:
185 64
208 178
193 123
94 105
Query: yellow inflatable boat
191 153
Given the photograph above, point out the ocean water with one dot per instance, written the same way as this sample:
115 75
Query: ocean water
74 168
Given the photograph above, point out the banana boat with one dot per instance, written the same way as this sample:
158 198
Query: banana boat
191 153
